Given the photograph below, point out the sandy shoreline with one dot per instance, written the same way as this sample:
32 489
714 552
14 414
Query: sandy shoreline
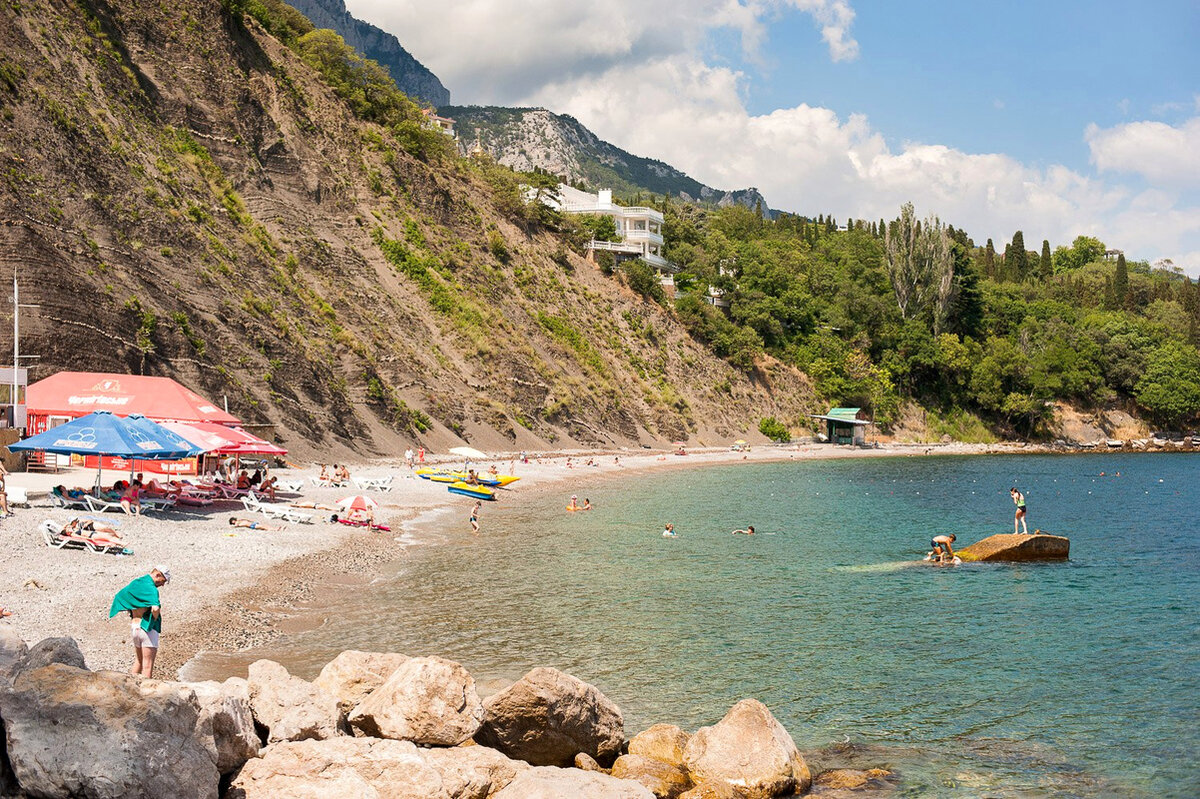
234 588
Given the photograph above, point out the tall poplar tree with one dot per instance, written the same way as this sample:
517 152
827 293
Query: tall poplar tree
1016 260
1046 269
989 260
1121 282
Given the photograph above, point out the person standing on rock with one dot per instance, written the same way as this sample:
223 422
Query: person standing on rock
141 600
1019 500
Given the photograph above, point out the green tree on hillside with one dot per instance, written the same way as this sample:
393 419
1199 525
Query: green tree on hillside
1121 281
1016 260
1170 388
989 260
921 265
1084 250
1045 265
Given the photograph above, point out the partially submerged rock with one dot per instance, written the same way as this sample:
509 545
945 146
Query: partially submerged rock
749 750
103 735
290 708
1017 548
547 717
353 675
849 782
428 700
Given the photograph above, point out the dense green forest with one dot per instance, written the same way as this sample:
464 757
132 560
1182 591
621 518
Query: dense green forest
874 312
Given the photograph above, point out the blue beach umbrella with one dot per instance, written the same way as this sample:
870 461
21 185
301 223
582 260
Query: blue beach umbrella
100 433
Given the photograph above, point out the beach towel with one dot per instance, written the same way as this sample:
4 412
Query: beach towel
141 593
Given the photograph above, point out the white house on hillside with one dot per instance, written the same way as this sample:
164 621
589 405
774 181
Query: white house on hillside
639 229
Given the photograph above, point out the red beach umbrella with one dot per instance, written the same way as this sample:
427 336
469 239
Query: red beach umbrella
357 502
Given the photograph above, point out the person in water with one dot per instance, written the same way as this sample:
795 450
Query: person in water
1019 500
942 551
748 531
587 504
669 531
475 517
574 504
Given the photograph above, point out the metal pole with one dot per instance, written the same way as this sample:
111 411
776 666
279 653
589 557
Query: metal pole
16 347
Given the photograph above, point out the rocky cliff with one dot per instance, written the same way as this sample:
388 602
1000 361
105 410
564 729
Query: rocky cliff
413 77
181 194
529 138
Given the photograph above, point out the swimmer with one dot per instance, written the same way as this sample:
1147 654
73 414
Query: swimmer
573 504
748 531
941 548
669 531
587 504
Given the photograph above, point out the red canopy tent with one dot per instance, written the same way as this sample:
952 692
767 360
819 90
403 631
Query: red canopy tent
224 440
68 395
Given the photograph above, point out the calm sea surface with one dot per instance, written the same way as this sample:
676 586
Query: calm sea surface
1073 679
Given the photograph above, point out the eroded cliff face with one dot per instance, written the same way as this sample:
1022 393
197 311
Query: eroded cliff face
413 77
529 138
181 195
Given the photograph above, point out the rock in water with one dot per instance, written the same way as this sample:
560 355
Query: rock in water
104 735
749 750
428 700
1011 547
336 768
353 675
290 708
226 720
853 782
547 717
664 742
560 783
664 780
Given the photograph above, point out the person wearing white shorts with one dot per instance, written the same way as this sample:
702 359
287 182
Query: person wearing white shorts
140 599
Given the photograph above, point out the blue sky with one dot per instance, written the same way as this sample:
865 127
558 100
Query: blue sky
1058 118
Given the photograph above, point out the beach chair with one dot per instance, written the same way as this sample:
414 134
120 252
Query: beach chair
56 536
373 483
103 505
289 486
282 512
156 503
64 501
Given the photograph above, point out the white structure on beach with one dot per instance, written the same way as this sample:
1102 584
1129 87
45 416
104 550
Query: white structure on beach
639 229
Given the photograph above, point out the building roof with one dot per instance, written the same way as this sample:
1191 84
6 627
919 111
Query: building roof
843 415
157 398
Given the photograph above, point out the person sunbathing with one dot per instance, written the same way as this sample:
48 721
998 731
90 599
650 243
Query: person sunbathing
267 487
343 475
324 476
315 505
360 516
91 528
252 525
157 489
243 481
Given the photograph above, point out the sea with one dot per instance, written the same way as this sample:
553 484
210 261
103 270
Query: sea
1071 679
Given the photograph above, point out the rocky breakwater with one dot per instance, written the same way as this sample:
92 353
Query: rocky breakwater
371 725
1017 548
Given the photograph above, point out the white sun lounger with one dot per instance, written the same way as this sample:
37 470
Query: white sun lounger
271 511
374 483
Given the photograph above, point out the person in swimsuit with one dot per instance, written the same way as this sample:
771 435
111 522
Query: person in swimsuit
475 517
748 531
587 504
574 504
1019 500
249 525
942 552
90 528
669 531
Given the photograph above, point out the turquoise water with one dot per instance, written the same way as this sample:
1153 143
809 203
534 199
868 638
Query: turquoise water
1073 679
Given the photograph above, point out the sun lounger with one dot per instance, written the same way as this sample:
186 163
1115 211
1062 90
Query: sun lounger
68 502
272 511
374 483
99 505
289 486
56 536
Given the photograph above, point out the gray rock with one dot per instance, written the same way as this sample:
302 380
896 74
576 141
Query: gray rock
226 723
749 750
427 700
47 651
290 708
664 742
353 675
665 781
73 732
12 649
547 717
547 782
472 772
350 768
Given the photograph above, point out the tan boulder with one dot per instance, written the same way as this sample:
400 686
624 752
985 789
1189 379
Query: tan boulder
345 768
428 700
12 649
548 782
547 717
353 675
588 763
665 781
712 790
1017 548
664 742
226 723
749 750
472 772
290 708
104 735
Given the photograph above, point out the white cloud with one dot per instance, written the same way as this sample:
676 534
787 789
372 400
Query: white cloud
635 73
1159 152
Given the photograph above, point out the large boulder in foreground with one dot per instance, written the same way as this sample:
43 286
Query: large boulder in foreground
664 780
12 649
226 723
472 772
73 732
428 700
749 750
569 783
664 742
547 717
1017 548
353 675
338 767
290 708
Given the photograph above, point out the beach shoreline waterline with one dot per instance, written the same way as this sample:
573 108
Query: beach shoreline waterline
237 589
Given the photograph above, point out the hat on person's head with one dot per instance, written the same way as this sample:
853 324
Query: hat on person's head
165 572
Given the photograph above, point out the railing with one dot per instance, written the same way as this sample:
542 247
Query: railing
620 210
615 246
644 235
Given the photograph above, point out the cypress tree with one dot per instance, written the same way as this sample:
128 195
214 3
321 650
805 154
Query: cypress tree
1016 259
989 260
1046 266
1110 294
1121 282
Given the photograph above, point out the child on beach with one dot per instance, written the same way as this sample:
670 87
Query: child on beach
475 517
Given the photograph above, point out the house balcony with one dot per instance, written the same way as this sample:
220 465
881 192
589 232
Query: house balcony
643 235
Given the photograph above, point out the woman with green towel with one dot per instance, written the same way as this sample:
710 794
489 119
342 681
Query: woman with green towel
140 599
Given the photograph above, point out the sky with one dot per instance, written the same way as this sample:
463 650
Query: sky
1059 119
